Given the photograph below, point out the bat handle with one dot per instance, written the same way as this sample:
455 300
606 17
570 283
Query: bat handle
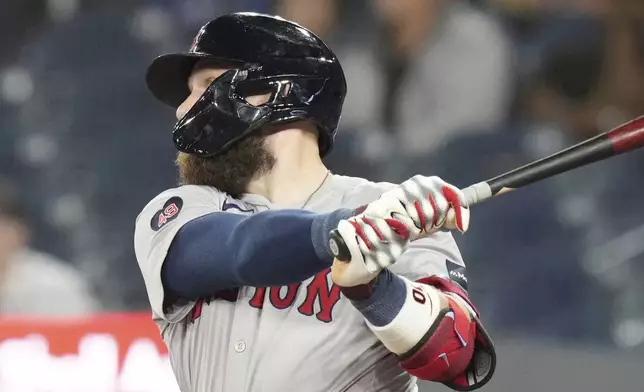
477 193
338 247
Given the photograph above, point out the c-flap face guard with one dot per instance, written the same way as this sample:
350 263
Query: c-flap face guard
219 118
222 115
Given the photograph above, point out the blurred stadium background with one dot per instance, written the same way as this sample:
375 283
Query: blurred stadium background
461 89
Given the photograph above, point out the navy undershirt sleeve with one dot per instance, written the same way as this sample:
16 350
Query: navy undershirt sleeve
386 300
272 248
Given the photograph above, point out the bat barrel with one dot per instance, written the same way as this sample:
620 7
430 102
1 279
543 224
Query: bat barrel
626 137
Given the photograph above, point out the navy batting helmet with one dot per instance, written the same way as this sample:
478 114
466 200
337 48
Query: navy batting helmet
266 54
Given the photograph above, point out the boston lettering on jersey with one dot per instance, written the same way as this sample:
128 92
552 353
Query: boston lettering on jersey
318 290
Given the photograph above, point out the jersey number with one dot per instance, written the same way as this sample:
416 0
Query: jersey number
168 213
170 210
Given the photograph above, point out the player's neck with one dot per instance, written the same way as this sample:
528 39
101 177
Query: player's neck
298 171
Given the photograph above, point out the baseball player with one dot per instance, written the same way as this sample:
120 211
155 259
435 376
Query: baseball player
237 260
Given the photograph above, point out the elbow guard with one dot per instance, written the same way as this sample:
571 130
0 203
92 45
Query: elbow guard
438 337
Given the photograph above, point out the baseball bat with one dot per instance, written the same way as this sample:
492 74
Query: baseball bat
624 138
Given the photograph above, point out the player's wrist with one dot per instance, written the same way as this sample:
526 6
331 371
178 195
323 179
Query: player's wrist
386 297
359 292
321 229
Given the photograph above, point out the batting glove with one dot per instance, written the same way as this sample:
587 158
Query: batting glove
374 244
431 203
376 237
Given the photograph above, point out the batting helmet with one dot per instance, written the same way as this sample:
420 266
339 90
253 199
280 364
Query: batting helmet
265 54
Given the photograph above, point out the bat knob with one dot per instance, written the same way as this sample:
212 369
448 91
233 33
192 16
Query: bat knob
338 247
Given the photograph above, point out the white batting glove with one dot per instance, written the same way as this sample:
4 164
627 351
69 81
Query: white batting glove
416 208
431 203
374 244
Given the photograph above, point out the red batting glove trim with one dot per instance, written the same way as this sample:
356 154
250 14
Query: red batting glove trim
421 214
435 216
452 198
398 227
373 226
361 234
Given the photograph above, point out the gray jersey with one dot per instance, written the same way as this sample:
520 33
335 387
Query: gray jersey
304 336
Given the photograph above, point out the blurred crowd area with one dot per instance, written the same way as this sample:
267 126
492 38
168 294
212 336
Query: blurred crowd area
461 89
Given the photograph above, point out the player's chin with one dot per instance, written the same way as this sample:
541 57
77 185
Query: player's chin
229 172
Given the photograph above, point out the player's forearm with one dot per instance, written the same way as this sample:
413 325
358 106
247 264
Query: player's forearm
272 248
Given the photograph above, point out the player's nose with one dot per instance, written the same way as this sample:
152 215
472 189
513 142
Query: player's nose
180 113
182 109
187 104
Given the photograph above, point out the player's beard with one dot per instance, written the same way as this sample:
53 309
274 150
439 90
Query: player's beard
231 171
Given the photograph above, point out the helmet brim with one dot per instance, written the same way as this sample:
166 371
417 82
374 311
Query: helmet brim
167 76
